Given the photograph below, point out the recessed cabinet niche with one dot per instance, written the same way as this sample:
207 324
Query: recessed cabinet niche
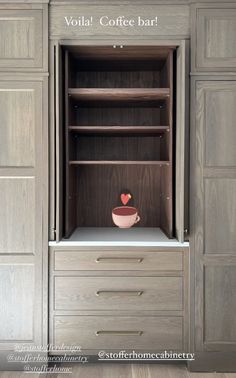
118 134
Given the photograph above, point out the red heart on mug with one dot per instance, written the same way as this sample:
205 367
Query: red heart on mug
125 198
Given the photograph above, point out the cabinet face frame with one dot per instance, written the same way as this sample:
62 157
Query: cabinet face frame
182 125
200 14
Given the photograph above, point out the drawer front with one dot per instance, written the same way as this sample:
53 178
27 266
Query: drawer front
118 293
108 332
117 260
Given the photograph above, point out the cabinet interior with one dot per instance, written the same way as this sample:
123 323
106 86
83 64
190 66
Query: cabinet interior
118 135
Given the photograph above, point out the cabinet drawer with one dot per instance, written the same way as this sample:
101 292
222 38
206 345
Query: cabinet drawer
121 332
118 293
117 260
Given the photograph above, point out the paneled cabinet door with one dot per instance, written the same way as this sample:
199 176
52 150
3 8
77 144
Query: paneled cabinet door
23 211
23 38
213 216
213 37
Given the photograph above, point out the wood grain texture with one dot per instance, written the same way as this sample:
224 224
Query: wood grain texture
118 116
22 39
172 21
118 94
125 148
17 302
213 32
18 134
158 333
212 197
17 214
220 306
220 133
23 213
109 181
182 141
115 260
220 202
152 293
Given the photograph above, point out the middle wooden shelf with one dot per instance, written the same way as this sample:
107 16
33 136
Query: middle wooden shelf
119 94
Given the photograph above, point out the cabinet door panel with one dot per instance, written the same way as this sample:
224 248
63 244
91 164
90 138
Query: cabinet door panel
18 131
213 220
220 216
21 38
23 209
17 214
17 302
220 304
213 33
219 124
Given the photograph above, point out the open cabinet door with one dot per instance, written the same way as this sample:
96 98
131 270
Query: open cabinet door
182 136
58 111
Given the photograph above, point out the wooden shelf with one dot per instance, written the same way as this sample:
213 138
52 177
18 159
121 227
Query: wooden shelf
118 162
119 129
119 94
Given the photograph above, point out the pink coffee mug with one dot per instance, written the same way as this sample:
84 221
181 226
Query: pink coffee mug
125 216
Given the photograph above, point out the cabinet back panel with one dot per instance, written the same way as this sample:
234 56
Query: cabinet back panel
118 148
99 188
116 116
118 79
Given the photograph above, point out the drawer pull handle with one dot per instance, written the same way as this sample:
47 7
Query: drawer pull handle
119 333
119 259
120 292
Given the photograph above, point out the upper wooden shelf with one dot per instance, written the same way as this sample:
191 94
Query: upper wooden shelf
119 94
119 129
119 162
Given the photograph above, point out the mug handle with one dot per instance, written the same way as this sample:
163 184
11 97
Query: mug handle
137 219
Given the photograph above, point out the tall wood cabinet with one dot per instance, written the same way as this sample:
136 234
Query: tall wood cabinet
213 187
23 177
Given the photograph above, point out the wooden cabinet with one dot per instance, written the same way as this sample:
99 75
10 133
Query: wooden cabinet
23 177
23 208
213 221
213 37
107 306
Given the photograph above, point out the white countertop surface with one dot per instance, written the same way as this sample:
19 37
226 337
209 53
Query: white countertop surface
113 236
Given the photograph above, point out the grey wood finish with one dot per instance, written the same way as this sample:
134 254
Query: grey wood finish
17 301
182 135
23 175
23 38
220 217
213 37
117 260
172 21
17 213
158 333
81 302
23 212
102 293
212 240
220 326
216 197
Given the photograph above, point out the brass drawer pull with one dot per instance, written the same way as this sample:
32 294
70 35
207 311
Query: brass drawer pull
120 292
119 333
119 259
